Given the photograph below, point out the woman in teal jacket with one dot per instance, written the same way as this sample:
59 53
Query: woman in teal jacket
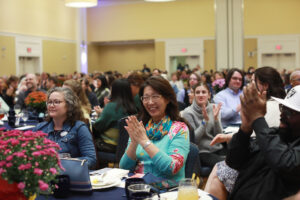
159 143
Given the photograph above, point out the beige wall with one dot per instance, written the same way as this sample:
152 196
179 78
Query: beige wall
7 56
268 17
48 18
122 58
209 55
250 45
59 57
188 18
160 55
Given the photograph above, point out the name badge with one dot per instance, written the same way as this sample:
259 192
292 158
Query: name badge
63 134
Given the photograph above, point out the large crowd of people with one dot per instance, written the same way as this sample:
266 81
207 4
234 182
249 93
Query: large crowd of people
260 161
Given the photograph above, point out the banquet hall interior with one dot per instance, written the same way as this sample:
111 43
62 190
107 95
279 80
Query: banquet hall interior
46 36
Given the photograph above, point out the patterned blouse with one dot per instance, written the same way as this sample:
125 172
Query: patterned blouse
169 162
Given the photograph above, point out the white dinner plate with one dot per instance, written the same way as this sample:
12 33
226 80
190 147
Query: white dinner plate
102 185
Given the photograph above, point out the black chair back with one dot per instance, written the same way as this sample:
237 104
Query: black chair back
192 164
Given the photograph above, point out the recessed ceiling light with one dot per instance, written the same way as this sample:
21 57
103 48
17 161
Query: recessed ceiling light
159 0
81 3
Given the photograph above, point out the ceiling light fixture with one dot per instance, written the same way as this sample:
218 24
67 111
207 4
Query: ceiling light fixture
159 0
81 3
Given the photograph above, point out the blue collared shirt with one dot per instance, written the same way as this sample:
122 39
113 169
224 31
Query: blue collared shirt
230 100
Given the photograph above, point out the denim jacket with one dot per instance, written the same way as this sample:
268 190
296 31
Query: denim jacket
76 140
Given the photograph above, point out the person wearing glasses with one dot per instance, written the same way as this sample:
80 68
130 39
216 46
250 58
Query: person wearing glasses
159 137
295 78
230 98
64 125
222 179
269 166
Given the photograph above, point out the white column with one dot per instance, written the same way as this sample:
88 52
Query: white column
229 34
82 65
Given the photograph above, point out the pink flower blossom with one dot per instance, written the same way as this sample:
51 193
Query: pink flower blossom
14 142
24 167
9 158
2 163
36 164
37 153
43 186
38 171
2 170
53 170
24 144
19 154
21 185
38 147
9 164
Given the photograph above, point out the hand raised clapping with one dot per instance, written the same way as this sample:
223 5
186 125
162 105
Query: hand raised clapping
136 130
216 110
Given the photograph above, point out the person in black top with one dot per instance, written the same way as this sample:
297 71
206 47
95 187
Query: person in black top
268 166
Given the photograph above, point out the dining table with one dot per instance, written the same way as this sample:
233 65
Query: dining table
118 192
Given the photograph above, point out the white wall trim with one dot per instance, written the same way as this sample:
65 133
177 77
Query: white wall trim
173 47
36 46
37 37
289 44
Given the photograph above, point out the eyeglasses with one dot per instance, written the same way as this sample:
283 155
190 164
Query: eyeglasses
296 79
154 98
236 79
287 111
54 103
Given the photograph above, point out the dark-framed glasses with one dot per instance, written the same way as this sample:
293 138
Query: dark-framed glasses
54 103
154 98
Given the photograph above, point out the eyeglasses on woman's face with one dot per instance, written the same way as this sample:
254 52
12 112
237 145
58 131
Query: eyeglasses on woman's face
54 102
153 98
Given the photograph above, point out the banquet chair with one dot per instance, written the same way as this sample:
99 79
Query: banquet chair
192 164
115 158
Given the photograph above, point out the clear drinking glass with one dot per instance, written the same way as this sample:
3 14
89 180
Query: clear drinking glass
17 109
25 117
187 190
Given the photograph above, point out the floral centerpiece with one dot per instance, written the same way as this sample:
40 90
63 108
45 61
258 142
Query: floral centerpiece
37 101
29 162
218 85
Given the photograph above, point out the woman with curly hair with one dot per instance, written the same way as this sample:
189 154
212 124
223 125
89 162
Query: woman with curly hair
64 125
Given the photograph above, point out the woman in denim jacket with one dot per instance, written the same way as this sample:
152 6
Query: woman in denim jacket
64 126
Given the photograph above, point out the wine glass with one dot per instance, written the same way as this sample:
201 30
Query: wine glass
17 109
187 190
25 117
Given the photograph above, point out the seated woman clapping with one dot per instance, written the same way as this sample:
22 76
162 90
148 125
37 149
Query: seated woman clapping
64 125
159 143
205 118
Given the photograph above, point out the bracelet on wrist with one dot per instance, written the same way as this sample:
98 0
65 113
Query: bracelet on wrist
147 144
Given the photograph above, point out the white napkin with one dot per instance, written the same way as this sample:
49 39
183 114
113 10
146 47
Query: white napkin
109 177
116 173
25 127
